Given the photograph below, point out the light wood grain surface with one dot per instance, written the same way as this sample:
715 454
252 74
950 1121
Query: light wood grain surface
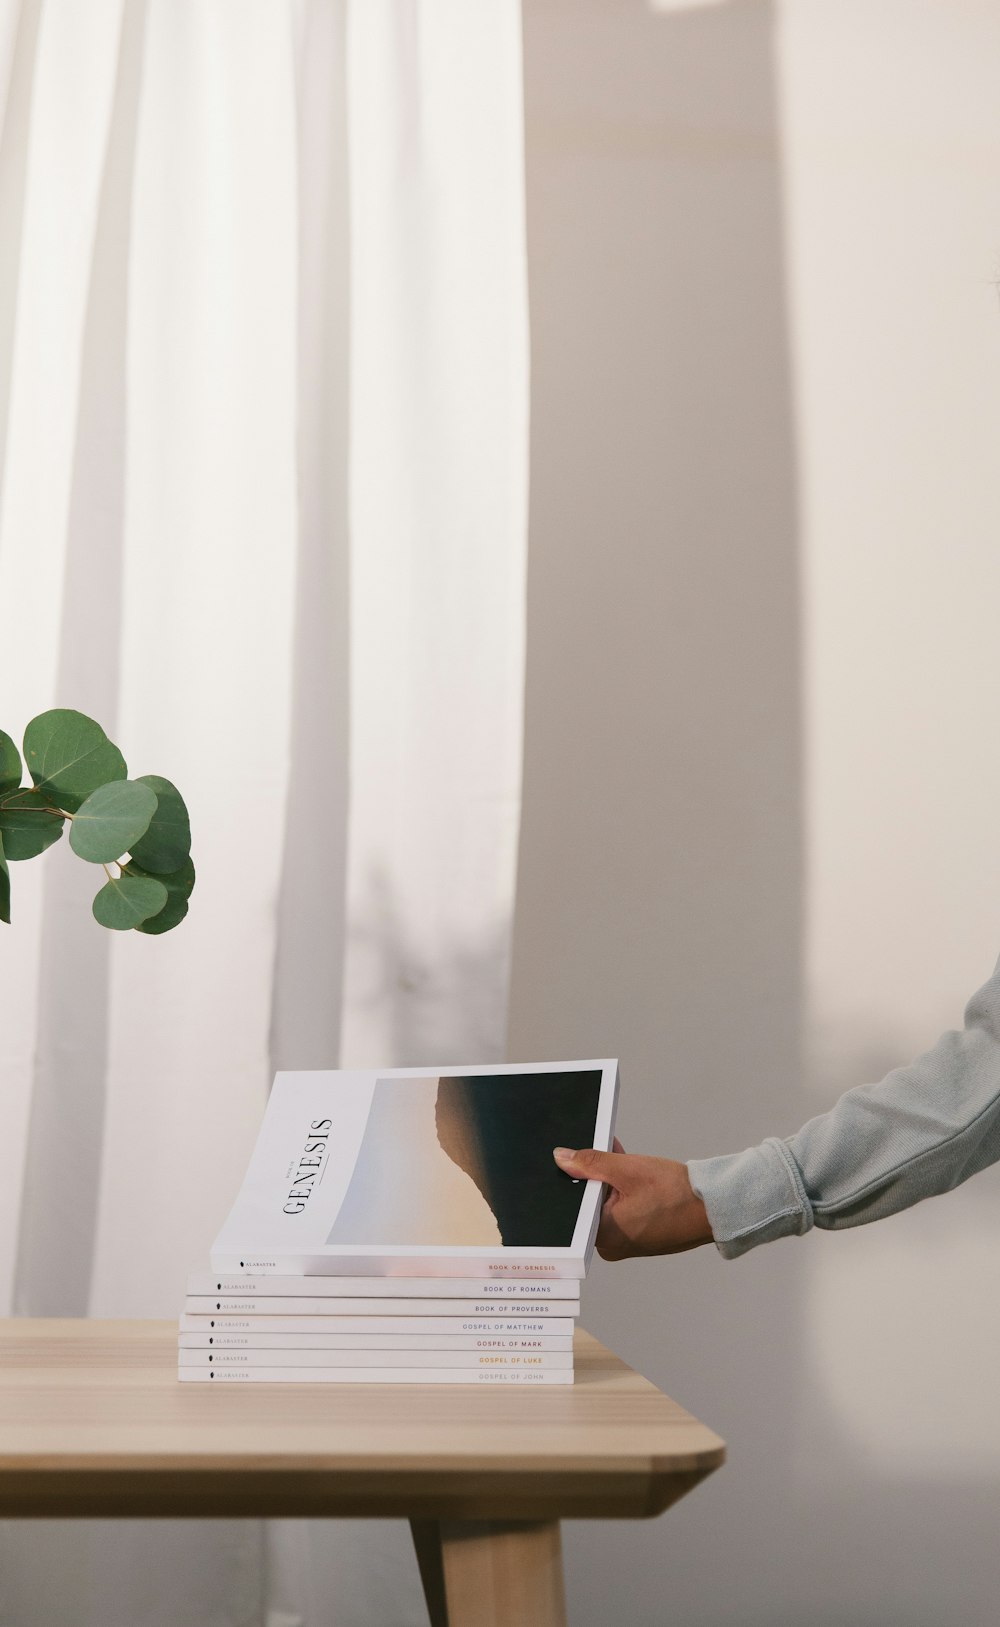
491 1575
94 1422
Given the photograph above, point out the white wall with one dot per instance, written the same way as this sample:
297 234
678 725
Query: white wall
762 786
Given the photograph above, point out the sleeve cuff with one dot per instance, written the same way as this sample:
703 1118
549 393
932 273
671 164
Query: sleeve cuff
752 1197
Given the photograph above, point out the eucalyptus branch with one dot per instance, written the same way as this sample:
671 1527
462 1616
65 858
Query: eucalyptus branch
108 814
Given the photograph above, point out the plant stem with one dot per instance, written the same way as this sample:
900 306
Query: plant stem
8 805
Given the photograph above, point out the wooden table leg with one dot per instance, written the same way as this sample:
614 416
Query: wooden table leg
491 1573
427 1542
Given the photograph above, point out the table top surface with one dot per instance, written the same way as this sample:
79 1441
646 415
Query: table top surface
90 1410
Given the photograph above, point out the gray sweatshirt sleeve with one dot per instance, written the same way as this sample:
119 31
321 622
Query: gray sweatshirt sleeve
921 1130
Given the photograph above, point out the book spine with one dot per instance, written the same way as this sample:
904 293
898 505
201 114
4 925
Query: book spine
369 1341
292 1305
199 1322
371 1375
492 1360
544 1269
482 1288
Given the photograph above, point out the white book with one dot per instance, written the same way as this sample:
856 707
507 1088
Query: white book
321 1286
368 1341
258 1305
195 1322
428 1172
493 1360
371 1375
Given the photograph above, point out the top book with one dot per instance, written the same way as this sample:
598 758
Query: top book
424 1172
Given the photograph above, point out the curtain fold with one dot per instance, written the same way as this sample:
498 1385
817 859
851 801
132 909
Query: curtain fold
438 492
430 784
263 387
55 144
63 1157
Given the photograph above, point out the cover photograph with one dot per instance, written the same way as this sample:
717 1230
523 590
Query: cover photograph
423 1172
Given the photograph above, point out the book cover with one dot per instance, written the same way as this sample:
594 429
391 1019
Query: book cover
306 1306
197 1322
424 1172
371 1375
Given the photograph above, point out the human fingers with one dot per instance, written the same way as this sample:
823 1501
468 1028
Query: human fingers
591 1164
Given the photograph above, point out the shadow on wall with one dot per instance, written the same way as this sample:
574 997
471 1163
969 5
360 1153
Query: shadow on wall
659 903
420 998
660 891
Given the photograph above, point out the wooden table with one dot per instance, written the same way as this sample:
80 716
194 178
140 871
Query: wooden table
94 1423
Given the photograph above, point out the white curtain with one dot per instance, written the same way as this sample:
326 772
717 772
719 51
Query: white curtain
263 402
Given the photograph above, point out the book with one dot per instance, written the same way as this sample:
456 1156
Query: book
197 1322
290 1305
500 1361
214 1283
424 1172
372 1375
371 1341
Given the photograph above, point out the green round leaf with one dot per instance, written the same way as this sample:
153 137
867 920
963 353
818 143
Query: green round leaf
112 818
69 756
167 842
127 901
178 886
4 887
26 825
10 764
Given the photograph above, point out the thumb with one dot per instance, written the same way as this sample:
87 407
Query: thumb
590 1164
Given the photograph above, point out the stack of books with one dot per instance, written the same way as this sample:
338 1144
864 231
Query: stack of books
406 1226
426 1330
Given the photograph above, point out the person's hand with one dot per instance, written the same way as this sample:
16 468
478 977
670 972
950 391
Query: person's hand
650 1206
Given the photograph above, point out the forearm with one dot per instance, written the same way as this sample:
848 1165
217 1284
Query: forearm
921 1130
